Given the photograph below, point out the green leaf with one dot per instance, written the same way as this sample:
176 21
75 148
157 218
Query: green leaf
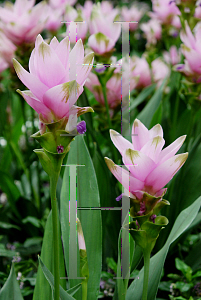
34 221
42 289
197 274
184 268
183 286
11 289
182 222
141 97
146 115
87 196
50 278
157 117
8 226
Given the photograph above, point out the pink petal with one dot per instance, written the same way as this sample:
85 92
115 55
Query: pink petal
100 43
172 149
37 105
140 135
61 98
76 57
119 141
30 81
84 69
129 182
54 43
153 148
31 63
157 130
163 173
188 38
49 68
138 163
63 50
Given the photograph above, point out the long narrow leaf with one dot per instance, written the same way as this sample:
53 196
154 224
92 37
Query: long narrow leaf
87 197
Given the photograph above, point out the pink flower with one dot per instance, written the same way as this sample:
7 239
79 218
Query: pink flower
113 86
160 70
56 77
104 33
132 14
76 26
86 9
7 49
54 17
172 57
165 10
198 10
152 30
151 168
140 67
22 21
191 49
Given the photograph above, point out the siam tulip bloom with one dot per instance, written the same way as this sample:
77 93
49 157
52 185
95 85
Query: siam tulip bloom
151 168
160 70
54 17
164 10
7 49
22 21
53 90
152 30
104 32
192 52
86 9
132 14
113 86
172 57
76 26
140 67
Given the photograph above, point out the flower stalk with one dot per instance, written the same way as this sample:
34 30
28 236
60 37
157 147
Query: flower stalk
146 255
53 185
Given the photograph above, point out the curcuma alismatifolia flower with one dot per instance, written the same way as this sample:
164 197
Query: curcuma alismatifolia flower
22 21
56 78
150 166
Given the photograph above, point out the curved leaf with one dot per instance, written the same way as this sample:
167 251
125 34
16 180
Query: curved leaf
11 289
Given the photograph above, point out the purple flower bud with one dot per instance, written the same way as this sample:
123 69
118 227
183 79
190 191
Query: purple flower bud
119 198
60 149
180 67
153 217
81 127
142 209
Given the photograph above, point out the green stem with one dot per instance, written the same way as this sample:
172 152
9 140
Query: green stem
53 185
146 274
84 290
